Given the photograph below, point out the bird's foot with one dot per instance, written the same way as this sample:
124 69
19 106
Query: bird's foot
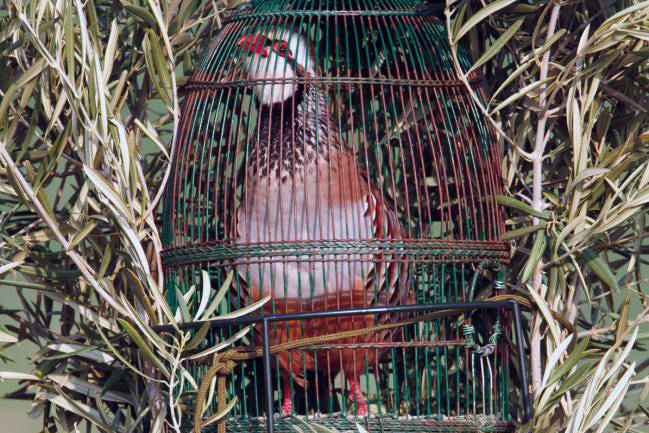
356 396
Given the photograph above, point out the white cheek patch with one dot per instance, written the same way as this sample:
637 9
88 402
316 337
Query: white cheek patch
300 50
272 67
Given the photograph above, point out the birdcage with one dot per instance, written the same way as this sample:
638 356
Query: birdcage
332 167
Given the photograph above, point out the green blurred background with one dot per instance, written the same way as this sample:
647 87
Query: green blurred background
14 413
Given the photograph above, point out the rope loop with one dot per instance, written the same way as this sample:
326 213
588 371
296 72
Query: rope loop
222 365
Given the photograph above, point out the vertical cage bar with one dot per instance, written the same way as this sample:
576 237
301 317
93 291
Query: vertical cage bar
268 380
527 405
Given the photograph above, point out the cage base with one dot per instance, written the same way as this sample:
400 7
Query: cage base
385 425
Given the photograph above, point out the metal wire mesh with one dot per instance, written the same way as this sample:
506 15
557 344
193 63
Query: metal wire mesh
382 425
330 157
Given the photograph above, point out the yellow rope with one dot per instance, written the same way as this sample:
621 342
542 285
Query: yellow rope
221 366
224 363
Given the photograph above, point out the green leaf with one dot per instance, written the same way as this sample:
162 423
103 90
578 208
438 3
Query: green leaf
68 25
118 354
81 409
152 67
569 228
34 71
585 174
554 358
623 321
553 281
115 375
153 137
535 256
513 234
497 46
517 204
159 60
581 374
480 15
543 306
219 296
83 310
199 337
510 78
90 389
206 289
222 344
103 186
141 14
69 350
144 347
600 268
622 357
182 306
459 19
613 400
525 91
25 285
111 50
81 234
573 358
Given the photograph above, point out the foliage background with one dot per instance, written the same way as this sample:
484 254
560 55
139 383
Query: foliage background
568 87
88 106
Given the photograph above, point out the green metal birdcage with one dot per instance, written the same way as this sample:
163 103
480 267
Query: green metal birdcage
330 158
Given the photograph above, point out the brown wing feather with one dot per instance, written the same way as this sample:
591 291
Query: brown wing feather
343 193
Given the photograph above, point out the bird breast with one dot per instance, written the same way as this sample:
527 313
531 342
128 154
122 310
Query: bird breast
323 199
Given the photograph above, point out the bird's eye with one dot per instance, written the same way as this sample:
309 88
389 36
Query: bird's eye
281 48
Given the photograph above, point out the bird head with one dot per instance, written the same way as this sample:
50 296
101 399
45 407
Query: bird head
276 55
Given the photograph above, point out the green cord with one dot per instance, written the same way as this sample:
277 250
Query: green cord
487 349
499 282
469 330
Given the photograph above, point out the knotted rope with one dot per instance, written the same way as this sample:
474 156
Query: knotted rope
221 366
225 362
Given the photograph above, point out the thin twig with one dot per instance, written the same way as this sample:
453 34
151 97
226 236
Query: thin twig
538 203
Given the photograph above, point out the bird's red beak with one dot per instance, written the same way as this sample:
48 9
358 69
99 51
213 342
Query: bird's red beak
253 43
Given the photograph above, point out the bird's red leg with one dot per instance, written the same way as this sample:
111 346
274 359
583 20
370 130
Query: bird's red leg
287 404
355 395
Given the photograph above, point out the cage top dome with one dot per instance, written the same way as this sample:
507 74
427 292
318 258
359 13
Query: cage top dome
384 77
359 33
338 7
